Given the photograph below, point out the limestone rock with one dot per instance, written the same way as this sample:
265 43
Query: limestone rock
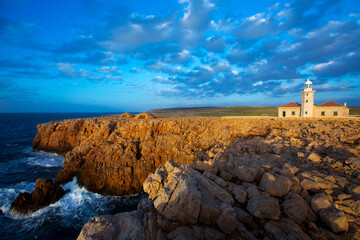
209 208
354 163
320 201
335 219
246 174
184 204
285 229
264 207
144 115
275 185
243 216
296 209
127 115
217 191
45 193
314 158
181 233
227 221
213 234
128 225
289 170
240 194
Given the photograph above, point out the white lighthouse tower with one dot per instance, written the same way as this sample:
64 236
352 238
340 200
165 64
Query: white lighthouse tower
307 103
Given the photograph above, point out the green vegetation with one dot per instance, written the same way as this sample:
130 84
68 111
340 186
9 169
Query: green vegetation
355 110
215 111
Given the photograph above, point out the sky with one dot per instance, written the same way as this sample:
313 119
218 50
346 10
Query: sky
137 55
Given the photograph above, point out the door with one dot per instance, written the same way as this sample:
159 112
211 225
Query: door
284 114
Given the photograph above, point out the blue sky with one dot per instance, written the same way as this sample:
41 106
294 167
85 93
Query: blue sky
132 55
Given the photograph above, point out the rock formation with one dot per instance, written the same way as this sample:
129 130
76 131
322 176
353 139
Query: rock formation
45 193
113 156
127 115
270 186
144 115
188 202
242 178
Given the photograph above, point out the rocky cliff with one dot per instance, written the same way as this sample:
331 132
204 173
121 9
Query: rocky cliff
298 180
113 156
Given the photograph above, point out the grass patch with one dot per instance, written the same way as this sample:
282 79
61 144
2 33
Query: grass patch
355 110
215 111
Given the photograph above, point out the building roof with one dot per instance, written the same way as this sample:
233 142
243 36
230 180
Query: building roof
292 104
330 104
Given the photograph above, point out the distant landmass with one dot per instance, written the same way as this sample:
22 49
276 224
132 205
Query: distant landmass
225 111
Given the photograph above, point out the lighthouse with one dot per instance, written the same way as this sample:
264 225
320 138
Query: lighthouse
307 102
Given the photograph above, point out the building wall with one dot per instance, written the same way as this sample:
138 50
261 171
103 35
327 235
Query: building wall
307 104
289 111
342 111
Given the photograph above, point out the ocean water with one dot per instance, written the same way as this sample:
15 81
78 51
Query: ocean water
20 166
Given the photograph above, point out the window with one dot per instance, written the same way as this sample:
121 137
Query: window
307 94
305 112
284 114
322 113
307 100
293 113
335 113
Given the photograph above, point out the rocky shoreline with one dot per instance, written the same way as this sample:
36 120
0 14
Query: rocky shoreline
228 178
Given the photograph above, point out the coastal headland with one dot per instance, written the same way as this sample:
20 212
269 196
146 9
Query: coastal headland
256 177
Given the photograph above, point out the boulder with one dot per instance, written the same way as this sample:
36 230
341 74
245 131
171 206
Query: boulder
213 234
335 219
285 229
314 158
252 190
246 174
210 210
184 203
127 115
264 207
243 216
240 194
289 170
181 233
144 115
354 163
275 185
320 201
128 225
296 209
227 221
218 192
45 193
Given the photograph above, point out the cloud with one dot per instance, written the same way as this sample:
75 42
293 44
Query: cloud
135 70
197 50
340 66
183 57
215 44
239 55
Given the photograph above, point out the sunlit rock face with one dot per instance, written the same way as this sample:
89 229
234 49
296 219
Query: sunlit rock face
114 155
227 178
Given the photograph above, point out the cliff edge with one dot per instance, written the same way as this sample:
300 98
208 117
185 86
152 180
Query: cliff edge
113 156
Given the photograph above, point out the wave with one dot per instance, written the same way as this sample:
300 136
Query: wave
8 195
44 159
70 213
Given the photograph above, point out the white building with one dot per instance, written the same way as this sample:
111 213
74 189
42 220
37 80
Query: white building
309 109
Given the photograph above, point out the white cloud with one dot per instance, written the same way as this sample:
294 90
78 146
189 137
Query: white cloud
320 65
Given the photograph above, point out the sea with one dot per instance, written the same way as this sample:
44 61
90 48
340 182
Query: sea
21 165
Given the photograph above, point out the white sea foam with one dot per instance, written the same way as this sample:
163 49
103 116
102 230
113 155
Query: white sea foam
45 159
8 195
